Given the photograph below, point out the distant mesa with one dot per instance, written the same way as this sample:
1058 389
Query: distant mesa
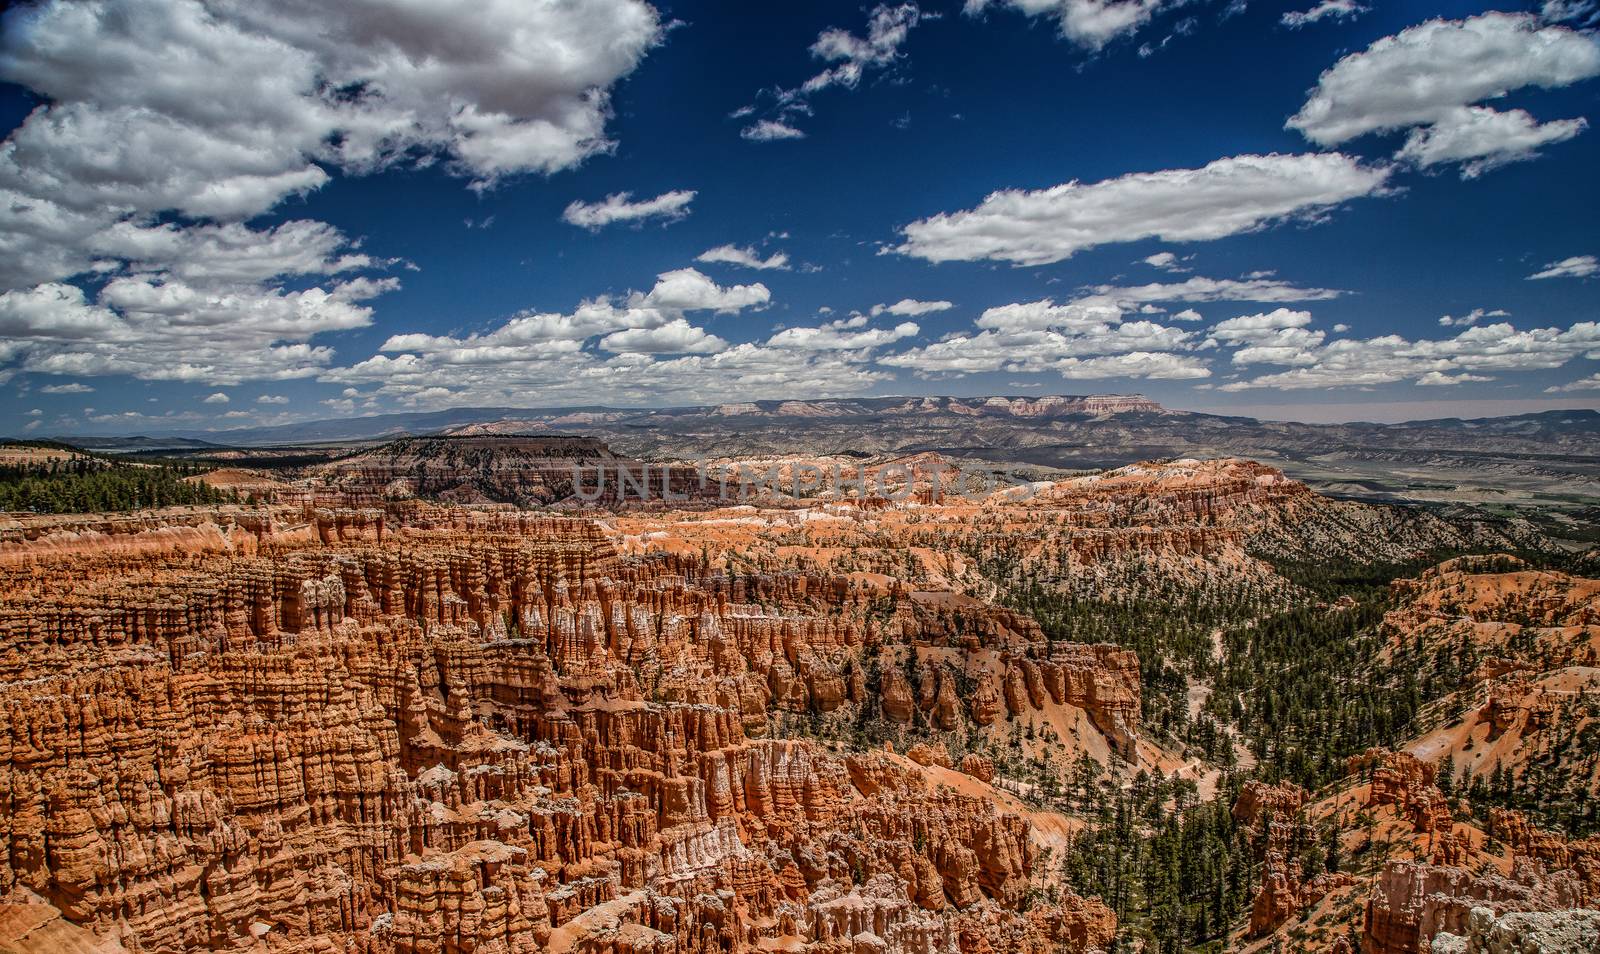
466 448
517 470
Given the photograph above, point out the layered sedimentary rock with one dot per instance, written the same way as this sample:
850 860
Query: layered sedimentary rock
381 724
1102 680
25 538
470 731
1261 805
1580 855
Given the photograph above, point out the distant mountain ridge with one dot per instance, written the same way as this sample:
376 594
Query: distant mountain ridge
523 419
1546 456
1050 405
1113 409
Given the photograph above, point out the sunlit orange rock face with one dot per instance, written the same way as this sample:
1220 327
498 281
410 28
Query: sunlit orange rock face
1407 783
478 731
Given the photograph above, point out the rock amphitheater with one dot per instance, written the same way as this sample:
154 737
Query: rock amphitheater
444 729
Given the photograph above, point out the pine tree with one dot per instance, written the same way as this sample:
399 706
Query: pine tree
1446 775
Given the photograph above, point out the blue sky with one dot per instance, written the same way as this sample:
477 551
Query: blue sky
220 215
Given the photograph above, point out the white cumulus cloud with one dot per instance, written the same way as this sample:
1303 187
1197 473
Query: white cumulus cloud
887 29
1089 23
1201 289
639 347
675 337
1226 197
1471 318
1590 383
125 173
849 57
620 207
744 256
291 90
1077 339
1326 10
1482 139
1578 266
1428 75
837 336
641 322
911 307
770 130
1435 379
1166 261
1387 359
1581 12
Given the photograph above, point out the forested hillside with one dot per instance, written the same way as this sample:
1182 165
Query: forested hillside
71 481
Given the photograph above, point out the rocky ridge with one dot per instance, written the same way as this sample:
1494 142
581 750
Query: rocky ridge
1523 645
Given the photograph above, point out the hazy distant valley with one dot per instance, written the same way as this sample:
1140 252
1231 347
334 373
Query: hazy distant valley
1548 461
